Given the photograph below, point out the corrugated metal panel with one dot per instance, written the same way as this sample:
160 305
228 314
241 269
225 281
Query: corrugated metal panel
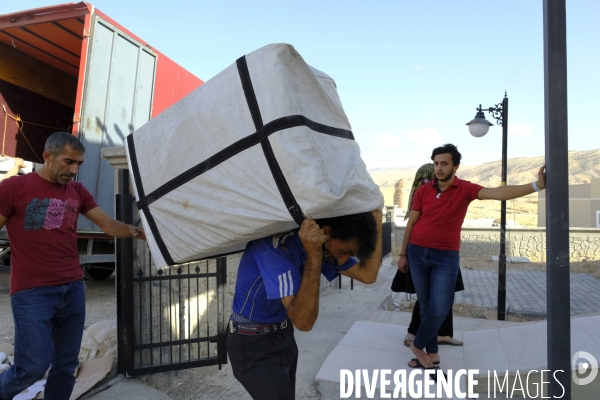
52 35
143 89
117 100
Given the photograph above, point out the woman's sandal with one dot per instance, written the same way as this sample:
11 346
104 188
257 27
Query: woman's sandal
436 364
435 368
451 342
408 339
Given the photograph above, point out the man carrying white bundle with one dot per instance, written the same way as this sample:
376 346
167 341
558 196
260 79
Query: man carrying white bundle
278 286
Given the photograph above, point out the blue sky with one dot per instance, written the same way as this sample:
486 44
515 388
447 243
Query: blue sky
409 73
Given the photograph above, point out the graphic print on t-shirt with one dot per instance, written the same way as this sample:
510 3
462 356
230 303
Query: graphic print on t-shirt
50 214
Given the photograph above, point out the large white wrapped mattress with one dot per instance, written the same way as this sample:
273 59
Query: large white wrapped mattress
246 155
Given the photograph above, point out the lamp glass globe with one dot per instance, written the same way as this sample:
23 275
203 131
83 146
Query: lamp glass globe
478 129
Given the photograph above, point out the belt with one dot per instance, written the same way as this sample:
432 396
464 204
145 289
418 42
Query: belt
249 328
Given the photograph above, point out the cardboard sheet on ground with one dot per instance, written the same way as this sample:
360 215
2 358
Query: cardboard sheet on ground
247 155
90 373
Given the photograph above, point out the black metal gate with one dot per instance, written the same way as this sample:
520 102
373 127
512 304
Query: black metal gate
386 237
168 319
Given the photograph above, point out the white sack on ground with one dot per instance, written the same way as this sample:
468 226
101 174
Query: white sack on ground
99 340
201 171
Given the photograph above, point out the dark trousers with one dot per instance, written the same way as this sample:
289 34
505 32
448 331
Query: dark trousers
445 330
48 329
434 274
265 364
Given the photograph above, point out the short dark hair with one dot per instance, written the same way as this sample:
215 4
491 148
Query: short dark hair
56 143
447 148
361 227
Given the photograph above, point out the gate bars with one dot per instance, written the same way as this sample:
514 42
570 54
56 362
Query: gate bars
169 319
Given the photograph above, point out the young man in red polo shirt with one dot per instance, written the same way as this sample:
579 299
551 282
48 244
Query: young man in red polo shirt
432 241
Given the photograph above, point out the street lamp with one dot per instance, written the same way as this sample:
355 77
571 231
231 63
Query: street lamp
478 127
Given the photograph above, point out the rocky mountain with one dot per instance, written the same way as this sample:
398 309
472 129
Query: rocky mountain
583 166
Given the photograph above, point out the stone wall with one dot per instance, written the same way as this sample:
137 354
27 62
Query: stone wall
483 243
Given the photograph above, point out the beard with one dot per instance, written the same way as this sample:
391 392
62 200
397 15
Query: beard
328 257
63 179
445 178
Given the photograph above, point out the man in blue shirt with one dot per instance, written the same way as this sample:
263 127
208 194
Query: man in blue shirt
278 287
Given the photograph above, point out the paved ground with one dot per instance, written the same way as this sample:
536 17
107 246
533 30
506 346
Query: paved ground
522 348
526 291
339 311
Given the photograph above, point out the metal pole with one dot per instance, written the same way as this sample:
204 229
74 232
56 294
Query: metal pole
557 199
221 310
502 257
124 268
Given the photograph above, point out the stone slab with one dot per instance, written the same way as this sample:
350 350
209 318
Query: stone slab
514 348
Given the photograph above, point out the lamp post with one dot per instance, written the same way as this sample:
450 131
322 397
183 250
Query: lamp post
478 127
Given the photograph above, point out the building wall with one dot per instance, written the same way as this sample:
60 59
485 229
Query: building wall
401 194
483 243
584 205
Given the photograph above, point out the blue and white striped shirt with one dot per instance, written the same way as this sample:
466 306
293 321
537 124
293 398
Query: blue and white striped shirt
271 269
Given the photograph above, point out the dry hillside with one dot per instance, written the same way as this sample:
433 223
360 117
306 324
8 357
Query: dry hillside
583 166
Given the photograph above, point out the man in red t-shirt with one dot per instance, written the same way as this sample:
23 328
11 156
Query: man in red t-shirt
40 210
432 241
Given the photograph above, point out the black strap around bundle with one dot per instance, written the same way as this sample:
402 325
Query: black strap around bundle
284 189
260 136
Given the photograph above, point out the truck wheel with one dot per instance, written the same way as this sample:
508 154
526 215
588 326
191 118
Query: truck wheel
97 272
